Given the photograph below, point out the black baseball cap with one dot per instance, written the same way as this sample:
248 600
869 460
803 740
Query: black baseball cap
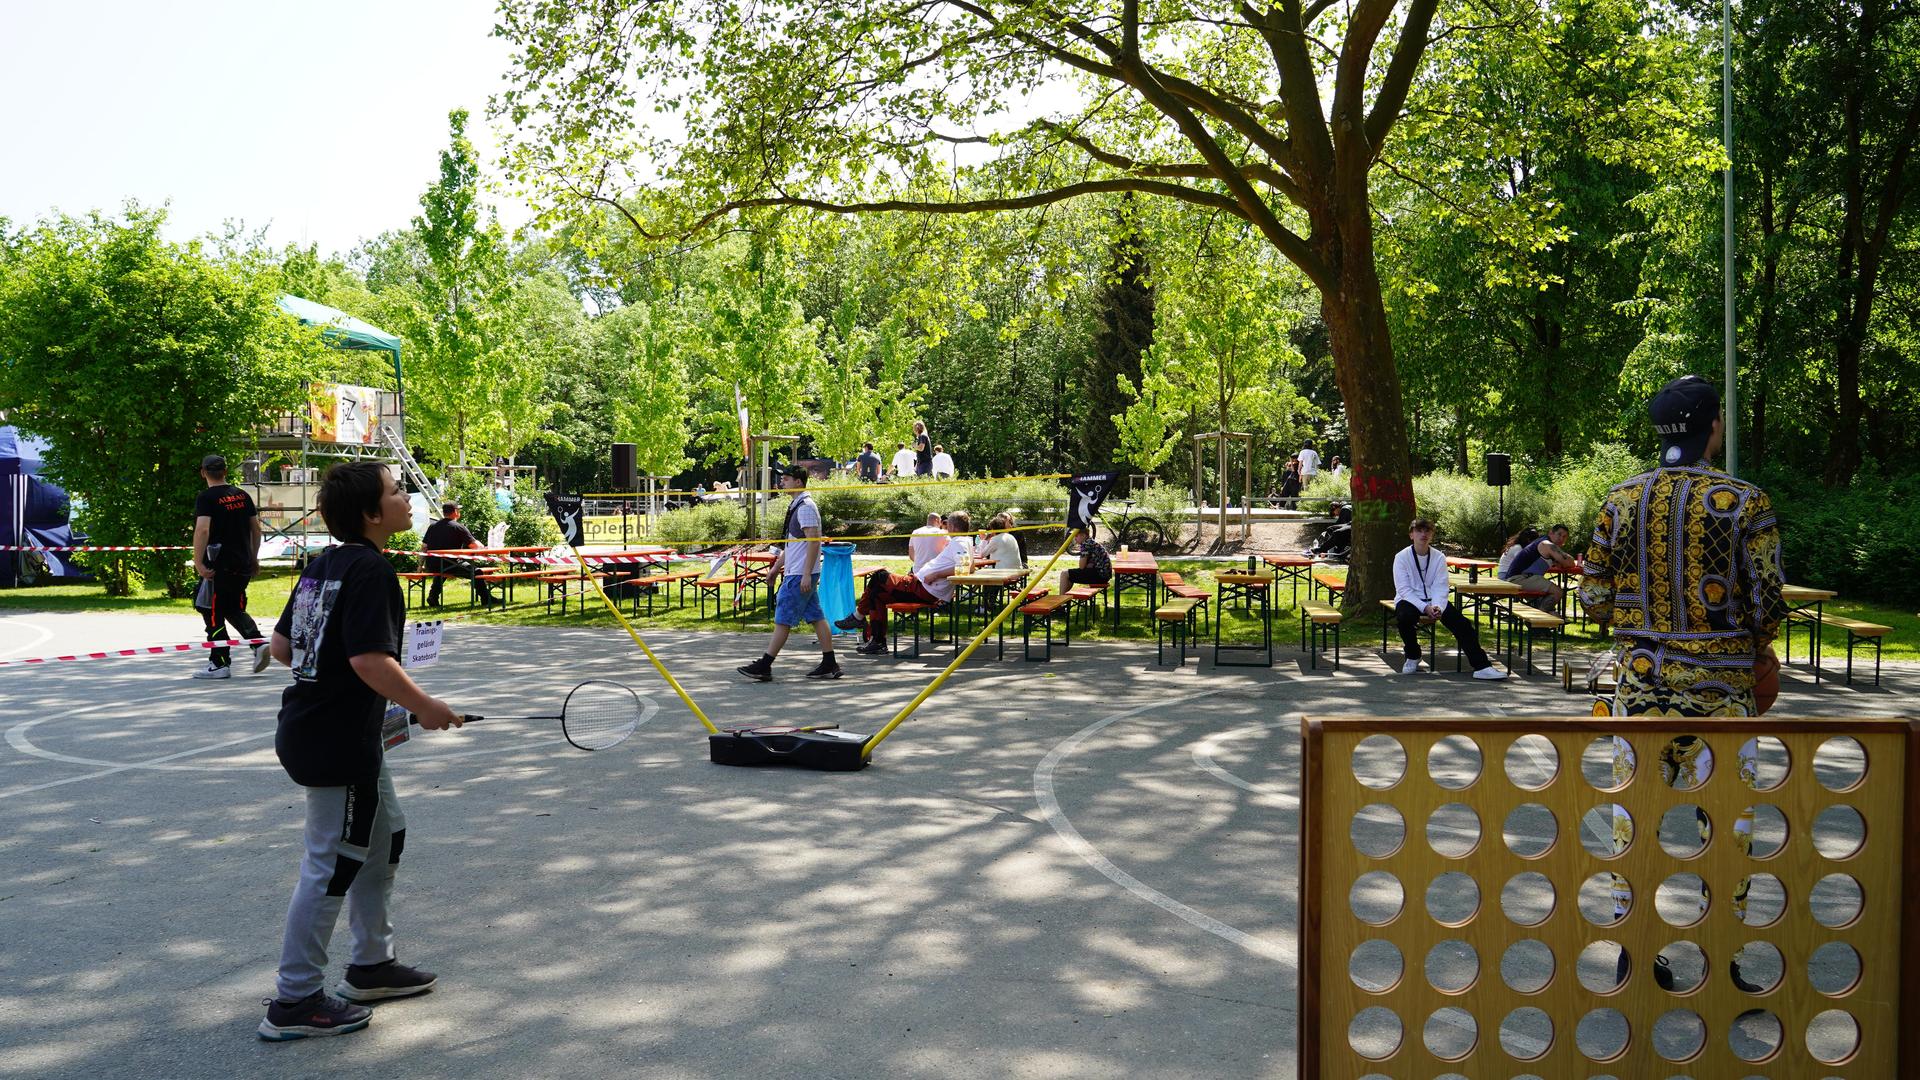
214 464
795 470
1683 413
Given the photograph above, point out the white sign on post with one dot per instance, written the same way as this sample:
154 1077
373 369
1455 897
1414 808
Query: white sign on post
423 644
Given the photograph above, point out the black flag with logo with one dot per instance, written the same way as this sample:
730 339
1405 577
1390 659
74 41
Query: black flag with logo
1086 493
566 514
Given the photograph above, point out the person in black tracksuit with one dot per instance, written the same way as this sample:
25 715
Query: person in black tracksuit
226 547
448 534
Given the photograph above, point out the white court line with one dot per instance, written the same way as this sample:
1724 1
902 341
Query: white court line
1203 756
16 736
1054 816
45 636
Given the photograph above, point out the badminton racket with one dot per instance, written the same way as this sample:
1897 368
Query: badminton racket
781 730
596 715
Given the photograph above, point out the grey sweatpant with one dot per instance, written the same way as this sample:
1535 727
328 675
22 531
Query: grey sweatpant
354 838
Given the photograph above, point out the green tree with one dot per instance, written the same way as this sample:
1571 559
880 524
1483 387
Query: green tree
651 394
1125 312
1272 114
134 358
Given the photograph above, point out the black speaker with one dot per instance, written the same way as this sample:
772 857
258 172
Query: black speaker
1499 469
625 458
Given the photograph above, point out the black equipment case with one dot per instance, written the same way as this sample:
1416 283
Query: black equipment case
829 751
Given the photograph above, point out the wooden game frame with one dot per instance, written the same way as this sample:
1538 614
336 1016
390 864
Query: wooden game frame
1885 1001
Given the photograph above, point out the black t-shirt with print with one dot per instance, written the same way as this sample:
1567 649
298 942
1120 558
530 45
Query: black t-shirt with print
347 603
230 514
444 535
922 455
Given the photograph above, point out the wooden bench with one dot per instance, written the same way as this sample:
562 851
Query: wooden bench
422 580
1392 621
660 584
1532 621
1175 585
747 580
1175 616
557 581
506 578
1857 631
1319 624
1045 609
909 613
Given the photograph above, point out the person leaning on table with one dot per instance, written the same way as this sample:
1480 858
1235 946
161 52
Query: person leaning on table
1684 571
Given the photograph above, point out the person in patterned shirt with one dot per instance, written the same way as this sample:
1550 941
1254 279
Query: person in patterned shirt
1684 570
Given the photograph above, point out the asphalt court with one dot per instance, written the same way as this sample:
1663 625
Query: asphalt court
1078 869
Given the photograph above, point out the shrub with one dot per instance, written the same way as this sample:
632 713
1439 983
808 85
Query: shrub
1855 540
707 523
404 541
528 523
474 492
1466 512
1326 486
1578 487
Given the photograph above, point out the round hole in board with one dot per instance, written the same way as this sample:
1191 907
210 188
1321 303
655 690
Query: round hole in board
1377 830
1759 900
1836 901
1454 762
1764 763
1530 830
1757 968
1682 899
1760 832
1452 966
1605 899
1603 966
1606 831
1526 1034
1527 966
1840 764
1679 1035
1375 1033
1532 762
1686 762
1379 762
1602 1035
1450 1033
1375 965
1680 967
1376 898
1608 762
1839 832
1755 1035
1453 899
1834 969
1453 830
1833 1036
1685 831
1527 898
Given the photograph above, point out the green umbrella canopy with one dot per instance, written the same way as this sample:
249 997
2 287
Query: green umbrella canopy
342 330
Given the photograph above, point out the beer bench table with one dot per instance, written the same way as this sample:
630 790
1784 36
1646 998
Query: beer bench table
1805 605
1134 570
986 587
1256 591
1294 568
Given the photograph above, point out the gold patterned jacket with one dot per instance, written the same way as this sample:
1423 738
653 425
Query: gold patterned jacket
1685 562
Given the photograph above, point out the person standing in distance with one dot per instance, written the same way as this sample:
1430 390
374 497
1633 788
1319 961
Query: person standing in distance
1309 463
1684 571
867 465
943 464
340 633
902 463
799 598
922 450
226 555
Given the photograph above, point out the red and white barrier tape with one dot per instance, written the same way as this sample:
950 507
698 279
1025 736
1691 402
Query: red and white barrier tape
150 650
96 547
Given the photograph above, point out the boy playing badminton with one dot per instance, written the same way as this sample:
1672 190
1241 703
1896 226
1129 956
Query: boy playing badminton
340 633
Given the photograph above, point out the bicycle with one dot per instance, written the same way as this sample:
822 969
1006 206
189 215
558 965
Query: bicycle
1142 531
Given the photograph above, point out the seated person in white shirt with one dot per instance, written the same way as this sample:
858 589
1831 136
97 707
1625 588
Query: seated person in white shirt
927 541
1000 545
931 584
942 463
1420 596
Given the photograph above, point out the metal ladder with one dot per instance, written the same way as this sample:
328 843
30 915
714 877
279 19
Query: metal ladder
411 467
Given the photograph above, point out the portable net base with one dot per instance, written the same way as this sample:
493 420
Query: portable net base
827 751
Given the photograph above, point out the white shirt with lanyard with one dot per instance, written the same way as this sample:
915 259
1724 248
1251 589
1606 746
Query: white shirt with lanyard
1420 580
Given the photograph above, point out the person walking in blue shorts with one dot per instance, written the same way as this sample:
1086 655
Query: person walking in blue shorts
798 600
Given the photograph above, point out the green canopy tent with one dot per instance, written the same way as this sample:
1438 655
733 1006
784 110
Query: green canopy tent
343 331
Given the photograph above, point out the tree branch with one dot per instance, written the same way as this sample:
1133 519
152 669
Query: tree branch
1407 55
977 206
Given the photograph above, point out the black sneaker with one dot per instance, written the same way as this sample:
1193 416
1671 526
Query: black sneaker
855 621
758 671
311 1016
876 647
827 669
378 982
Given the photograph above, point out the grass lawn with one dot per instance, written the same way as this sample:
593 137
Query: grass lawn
268 595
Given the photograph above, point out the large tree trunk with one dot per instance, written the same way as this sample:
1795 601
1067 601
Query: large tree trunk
1381 479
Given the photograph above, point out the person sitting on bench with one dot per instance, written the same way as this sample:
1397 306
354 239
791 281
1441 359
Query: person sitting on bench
929 584
1337 541
448 534
1420 593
